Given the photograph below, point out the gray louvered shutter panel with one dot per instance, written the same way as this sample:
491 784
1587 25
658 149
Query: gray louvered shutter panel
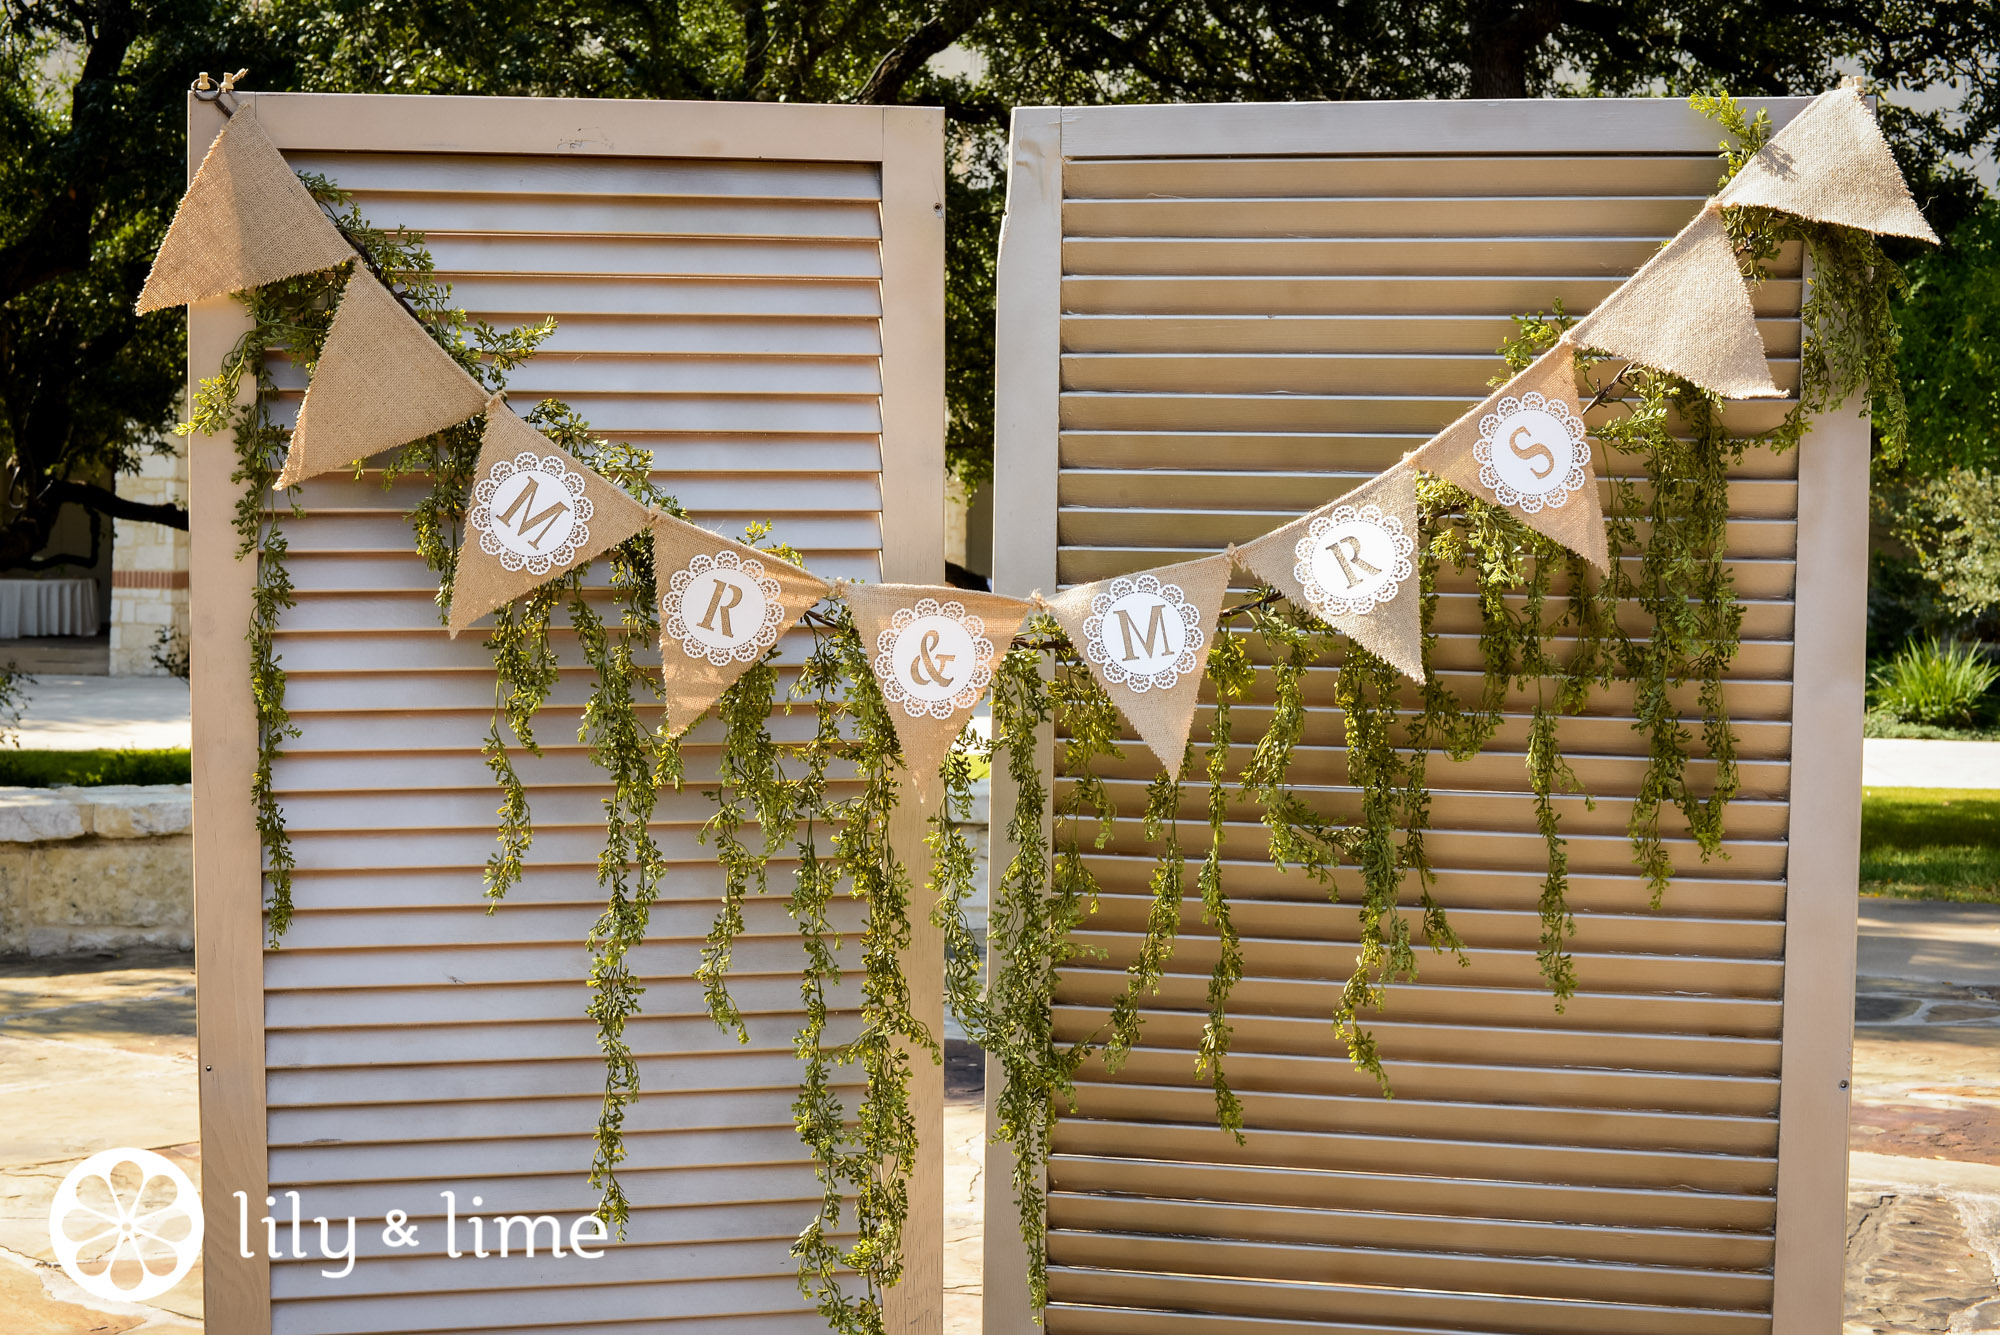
726 315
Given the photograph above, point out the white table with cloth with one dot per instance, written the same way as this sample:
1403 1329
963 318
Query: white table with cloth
31 607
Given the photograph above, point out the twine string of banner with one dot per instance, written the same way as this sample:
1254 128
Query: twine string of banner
1348 563
208 90
1526 448
363 257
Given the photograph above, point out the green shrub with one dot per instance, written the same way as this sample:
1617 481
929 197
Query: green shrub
1935 681
1952 523
90 769
1880 723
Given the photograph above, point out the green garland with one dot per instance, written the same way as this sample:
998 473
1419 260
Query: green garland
291 319
863 1158
1549 637
1548 628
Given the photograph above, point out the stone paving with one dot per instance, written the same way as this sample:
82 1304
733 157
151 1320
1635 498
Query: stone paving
98 1051
86 713
95 1051
1924 1176
964 1186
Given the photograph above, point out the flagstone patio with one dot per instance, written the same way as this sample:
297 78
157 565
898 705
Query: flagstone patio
99 1051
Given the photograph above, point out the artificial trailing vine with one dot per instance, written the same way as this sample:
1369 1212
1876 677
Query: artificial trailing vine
260 536
1547 627
1036 905
1550 638
749 766
290 319
862 1159
630 867
525 671
819 1112
887 1132
1229 667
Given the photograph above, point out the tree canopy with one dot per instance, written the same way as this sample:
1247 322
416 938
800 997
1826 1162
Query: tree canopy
1942 501
1950 326
91 99
93 113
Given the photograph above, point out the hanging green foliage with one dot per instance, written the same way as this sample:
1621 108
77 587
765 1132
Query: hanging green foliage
1549 632
1550 638
1230 668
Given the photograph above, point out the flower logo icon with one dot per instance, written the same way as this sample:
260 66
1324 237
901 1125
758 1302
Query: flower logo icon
126 1225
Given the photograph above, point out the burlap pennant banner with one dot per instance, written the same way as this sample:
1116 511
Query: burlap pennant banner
1526 448
536 513
1147 638
1687 310
1832 165
1351 564
244 222
722 607
381 382
932 651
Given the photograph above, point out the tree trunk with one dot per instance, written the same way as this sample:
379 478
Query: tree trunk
58 237
952 21
1503 36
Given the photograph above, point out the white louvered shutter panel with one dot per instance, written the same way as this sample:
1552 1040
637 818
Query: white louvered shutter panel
723 308
1257 312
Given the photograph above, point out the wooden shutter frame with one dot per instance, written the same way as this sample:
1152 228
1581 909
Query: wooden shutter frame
1830 628
907 145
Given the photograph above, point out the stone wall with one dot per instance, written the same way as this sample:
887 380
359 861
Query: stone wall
96 868
956 501
103 868
149 570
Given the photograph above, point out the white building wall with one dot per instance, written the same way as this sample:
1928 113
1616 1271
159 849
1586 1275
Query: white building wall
149 572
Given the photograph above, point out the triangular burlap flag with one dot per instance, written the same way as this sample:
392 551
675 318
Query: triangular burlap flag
1831 164
1350 564
381 382
722 606
1147 638
245 221
536 512
1687 311
1526 448
933 651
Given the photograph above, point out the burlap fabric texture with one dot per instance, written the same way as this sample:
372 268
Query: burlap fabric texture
1521 419
1831 164
1687 310
1352 564
536 513
1146 638
932 651
722 607
381 382
245 221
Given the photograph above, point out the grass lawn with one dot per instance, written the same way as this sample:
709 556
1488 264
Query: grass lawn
1931 843
90 769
